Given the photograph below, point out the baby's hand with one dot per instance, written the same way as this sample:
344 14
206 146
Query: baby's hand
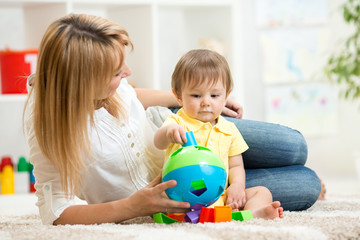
176 134
235 196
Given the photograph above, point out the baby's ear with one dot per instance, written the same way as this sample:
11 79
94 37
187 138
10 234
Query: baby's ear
228 93
177 98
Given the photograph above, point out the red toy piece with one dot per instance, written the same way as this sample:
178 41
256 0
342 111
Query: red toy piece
206 215
180 217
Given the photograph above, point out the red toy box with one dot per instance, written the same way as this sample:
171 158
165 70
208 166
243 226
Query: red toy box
15 67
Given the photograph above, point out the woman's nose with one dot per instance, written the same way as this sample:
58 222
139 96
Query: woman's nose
127 71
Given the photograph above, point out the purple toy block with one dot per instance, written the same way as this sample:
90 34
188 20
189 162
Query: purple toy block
197 206
193 216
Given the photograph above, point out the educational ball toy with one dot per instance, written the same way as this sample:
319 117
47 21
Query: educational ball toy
199 173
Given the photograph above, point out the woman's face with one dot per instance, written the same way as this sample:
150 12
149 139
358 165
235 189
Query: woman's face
124 72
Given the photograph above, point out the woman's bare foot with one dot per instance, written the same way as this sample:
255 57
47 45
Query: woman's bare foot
323 191
273 210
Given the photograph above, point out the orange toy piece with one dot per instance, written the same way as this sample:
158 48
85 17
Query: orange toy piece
206 215
223 213
180 217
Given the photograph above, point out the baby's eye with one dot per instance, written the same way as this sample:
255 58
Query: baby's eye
215 95
195 95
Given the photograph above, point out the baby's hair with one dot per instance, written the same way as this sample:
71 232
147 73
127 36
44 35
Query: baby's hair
200 66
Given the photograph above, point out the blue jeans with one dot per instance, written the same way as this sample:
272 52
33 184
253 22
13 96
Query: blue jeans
275 159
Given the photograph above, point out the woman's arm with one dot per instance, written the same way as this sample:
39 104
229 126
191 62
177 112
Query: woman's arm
151 97
144 202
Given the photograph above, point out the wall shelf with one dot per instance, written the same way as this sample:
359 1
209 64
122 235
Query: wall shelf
161 32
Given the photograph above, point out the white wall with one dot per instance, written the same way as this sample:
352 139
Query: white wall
329 155
335 155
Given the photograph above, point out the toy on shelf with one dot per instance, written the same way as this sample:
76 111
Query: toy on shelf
22 179
32 178
7 176
15 66
199 173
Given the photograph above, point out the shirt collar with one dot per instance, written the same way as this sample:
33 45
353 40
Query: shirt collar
193 124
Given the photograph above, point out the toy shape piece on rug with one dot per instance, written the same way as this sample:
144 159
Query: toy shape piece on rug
180 217
162 218
222 213
206 215
245 215
192 216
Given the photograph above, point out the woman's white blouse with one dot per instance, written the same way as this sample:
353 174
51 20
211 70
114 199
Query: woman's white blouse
125 159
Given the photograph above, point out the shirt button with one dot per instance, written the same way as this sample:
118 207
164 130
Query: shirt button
129 135
206 126
210 143
132 145
138 154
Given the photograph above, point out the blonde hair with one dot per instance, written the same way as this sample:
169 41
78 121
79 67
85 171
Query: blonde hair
200 66
78 57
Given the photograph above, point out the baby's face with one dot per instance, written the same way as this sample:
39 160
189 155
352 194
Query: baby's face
204 102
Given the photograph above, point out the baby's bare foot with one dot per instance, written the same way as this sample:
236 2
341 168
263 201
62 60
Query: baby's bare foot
273 210
323 191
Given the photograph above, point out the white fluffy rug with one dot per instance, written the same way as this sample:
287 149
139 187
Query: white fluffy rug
338 217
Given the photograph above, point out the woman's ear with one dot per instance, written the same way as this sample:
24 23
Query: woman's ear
177 98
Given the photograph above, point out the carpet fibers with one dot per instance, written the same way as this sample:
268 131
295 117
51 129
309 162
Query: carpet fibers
338 217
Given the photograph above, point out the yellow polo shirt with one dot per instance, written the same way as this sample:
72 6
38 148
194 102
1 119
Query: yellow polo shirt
223 138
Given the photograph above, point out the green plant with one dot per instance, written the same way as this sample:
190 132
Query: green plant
343 67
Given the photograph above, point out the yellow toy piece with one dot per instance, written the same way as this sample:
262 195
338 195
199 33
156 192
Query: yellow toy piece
7 180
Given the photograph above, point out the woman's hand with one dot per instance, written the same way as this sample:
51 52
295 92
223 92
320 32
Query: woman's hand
152 199
235 196
233 109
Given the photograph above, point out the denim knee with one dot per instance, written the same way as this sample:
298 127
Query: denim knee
310 190
296 187
301 153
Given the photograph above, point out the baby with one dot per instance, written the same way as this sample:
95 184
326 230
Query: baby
202 83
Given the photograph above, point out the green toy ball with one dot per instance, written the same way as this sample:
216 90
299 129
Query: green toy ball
199 173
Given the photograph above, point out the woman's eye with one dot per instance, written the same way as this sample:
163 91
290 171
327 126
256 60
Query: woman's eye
118 74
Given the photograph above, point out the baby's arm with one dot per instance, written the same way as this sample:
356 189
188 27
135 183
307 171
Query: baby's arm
235 193
170 133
